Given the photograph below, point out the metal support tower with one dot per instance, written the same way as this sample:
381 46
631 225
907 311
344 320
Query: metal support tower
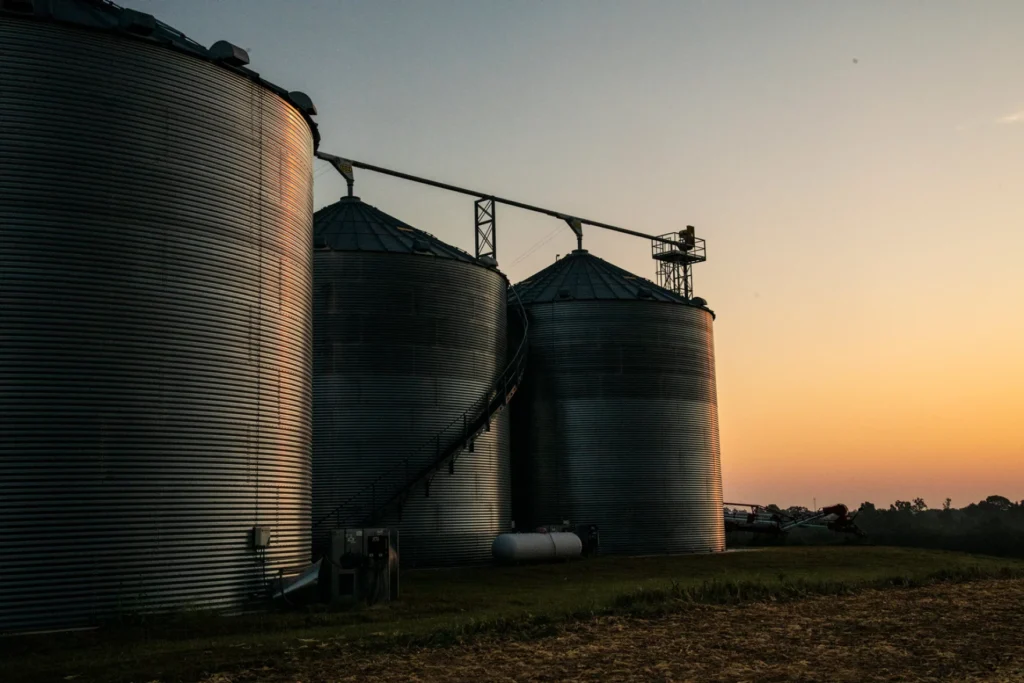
675 260
486 228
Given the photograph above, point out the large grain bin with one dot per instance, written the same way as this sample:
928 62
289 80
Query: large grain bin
155 318
409 333
616 423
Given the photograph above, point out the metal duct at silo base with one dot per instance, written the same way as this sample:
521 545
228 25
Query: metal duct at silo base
155 285
617 422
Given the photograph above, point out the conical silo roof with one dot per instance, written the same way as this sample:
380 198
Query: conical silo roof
581 276
352 225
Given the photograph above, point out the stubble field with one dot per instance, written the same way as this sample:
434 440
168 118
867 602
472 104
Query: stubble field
821 614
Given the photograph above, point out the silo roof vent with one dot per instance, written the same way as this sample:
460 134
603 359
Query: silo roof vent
232 55
303 101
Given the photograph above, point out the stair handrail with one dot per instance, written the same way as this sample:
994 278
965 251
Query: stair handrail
514 370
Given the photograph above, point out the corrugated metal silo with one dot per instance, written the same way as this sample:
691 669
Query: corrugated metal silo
409 332
616 423
155 289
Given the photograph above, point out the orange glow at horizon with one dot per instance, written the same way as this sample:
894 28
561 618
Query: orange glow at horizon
893 406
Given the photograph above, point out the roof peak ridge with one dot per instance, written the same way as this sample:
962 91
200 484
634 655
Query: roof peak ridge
581 275
351 224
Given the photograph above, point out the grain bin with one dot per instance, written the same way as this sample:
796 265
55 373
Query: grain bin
409 332
616 423
155 289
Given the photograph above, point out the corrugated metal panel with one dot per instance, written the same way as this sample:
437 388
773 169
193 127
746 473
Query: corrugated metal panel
155 360
404 344
353 225
617 425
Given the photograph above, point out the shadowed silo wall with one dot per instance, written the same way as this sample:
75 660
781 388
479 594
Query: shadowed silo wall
617 421
404 343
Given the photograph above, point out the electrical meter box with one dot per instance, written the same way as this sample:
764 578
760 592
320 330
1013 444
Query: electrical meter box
260 536
362 566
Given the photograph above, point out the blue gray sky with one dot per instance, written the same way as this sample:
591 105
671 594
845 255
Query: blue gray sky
855 168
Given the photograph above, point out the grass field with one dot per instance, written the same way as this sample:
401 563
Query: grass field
450 607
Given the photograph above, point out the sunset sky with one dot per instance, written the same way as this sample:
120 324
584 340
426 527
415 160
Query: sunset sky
856 168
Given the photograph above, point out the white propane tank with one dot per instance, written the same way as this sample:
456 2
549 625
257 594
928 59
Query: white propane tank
532 547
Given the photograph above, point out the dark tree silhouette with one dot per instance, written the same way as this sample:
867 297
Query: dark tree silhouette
999 502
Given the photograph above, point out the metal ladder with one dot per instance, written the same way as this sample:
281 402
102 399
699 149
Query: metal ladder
392 488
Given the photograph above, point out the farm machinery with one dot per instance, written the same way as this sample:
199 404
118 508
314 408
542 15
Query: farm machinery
761 519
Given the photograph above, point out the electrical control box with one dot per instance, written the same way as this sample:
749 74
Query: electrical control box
260 537
377 545
362 566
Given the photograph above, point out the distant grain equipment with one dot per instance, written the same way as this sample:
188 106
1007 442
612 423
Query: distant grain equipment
761 519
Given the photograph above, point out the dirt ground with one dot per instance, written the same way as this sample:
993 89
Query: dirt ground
964 632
